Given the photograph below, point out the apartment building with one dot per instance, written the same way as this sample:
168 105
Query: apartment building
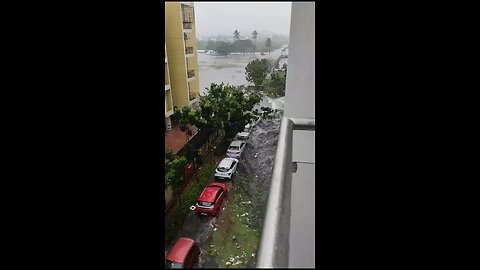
168 94
181 49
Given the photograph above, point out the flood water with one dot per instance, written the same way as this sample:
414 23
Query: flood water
230 69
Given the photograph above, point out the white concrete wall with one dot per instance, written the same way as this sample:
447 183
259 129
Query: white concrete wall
300 88
300 103
300 91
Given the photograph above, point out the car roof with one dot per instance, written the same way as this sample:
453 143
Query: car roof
236 143
180 250
227 162
208 194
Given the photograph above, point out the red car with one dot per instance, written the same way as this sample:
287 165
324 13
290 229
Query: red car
211 198
184 254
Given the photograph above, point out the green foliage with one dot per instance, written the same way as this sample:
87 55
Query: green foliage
178 214
168 155
223 48
229 108
174 175
236 34
268 43
254 34
275 86
211 45
242 46
256 71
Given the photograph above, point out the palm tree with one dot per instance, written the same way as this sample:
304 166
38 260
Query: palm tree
236 34
254 36
268 43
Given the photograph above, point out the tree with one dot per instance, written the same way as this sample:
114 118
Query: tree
268 43
192 155
242 46
230 108
236 34
223 48
168 155
188 118
256 71
254 36
176 173
211 45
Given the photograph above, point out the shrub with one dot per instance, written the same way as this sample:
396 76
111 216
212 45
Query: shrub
180 212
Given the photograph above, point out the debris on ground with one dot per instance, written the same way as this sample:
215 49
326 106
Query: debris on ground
214 229
228 263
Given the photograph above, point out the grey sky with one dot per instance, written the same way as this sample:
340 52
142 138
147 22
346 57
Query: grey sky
224 17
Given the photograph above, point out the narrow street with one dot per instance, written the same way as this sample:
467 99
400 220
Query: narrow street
231 239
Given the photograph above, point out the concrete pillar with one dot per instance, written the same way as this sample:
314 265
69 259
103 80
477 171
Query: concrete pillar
168 123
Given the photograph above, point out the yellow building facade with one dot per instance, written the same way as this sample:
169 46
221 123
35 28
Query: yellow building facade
168 94
181 63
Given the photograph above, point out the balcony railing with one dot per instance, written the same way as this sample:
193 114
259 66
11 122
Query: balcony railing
192 96
188 50
274 246
191 73
187 25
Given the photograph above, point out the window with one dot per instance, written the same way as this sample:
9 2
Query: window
205 204
233 164
218 195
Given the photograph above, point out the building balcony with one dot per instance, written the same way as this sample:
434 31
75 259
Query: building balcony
187 26
190 73
189 50
192 96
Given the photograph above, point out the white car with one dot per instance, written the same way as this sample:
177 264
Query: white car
245 133
236 148
226 168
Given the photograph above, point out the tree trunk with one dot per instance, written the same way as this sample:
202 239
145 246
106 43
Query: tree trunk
195 169
178 193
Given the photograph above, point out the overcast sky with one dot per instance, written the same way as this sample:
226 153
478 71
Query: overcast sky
224 17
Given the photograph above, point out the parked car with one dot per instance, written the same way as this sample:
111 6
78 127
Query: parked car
184 254
245 133
211 198
226 168
236 148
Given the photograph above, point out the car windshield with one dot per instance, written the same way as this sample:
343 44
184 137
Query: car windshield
222 169
205 204
233 148
172 265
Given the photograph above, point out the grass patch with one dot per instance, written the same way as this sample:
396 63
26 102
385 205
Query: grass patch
181 211
235 237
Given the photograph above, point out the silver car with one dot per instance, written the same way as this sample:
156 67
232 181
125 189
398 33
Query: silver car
245 133
236 148
226 168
